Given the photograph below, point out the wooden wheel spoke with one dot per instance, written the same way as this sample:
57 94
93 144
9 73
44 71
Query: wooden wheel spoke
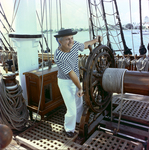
95 96
95 83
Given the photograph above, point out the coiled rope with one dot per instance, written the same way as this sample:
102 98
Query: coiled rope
13 110
112 81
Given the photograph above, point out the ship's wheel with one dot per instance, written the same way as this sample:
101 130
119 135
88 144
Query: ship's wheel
96 98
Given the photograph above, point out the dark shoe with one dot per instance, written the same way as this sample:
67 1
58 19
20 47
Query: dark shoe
69 134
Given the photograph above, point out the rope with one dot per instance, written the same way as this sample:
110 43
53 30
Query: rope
57 14
14 13
98 16
47 32
60 13
131 28
142 64
50 13
42 16
116 30
122 90
13 110
123 62
112 81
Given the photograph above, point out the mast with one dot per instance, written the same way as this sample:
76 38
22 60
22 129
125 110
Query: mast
26 39
126 49
142 49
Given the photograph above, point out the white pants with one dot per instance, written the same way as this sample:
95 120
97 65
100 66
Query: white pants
74 104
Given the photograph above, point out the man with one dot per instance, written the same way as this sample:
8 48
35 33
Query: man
66 58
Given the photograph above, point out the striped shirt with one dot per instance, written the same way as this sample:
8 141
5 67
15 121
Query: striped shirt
67 62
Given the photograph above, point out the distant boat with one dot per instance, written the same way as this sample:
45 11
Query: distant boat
144 32
135 32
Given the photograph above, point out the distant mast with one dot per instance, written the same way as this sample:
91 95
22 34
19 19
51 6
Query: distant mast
26 39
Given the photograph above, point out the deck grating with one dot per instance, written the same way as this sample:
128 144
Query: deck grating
105 141
49 134
132 109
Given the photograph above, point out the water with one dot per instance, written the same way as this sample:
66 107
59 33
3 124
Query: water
84 36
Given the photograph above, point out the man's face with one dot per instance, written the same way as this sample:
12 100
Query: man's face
67 42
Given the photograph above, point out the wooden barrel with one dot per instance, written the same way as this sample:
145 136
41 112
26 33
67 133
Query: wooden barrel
9 79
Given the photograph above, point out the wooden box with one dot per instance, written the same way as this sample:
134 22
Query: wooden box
50 95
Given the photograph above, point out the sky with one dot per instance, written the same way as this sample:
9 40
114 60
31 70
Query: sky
74 12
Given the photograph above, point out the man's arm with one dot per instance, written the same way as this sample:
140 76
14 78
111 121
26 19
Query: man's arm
76 81
87 43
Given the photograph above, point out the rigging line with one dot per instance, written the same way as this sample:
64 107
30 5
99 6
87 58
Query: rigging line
126 49
3 14
38 18
4 26
96 17
7 42
99 21
96 4
115 35
119 46
114 40
5 47
42 13
105 21
46 29
13 10
13 18
91 19
42 63
115 24
50 12
89 25
131 27
110 14
57 14
60 13
108 1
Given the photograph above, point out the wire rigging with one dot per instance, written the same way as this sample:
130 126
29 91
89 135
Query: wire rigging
3 14
57 14
60 13
14 12
50 22
131 27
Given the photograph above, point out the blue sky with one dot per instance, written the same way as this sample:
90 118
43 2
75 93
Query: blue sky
75 15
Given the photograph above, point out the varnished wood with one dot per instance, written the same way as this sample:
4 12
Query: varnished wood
33 84
136 82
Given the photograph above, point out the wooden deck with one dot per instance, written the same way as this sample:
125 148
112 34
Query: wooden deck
48 134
